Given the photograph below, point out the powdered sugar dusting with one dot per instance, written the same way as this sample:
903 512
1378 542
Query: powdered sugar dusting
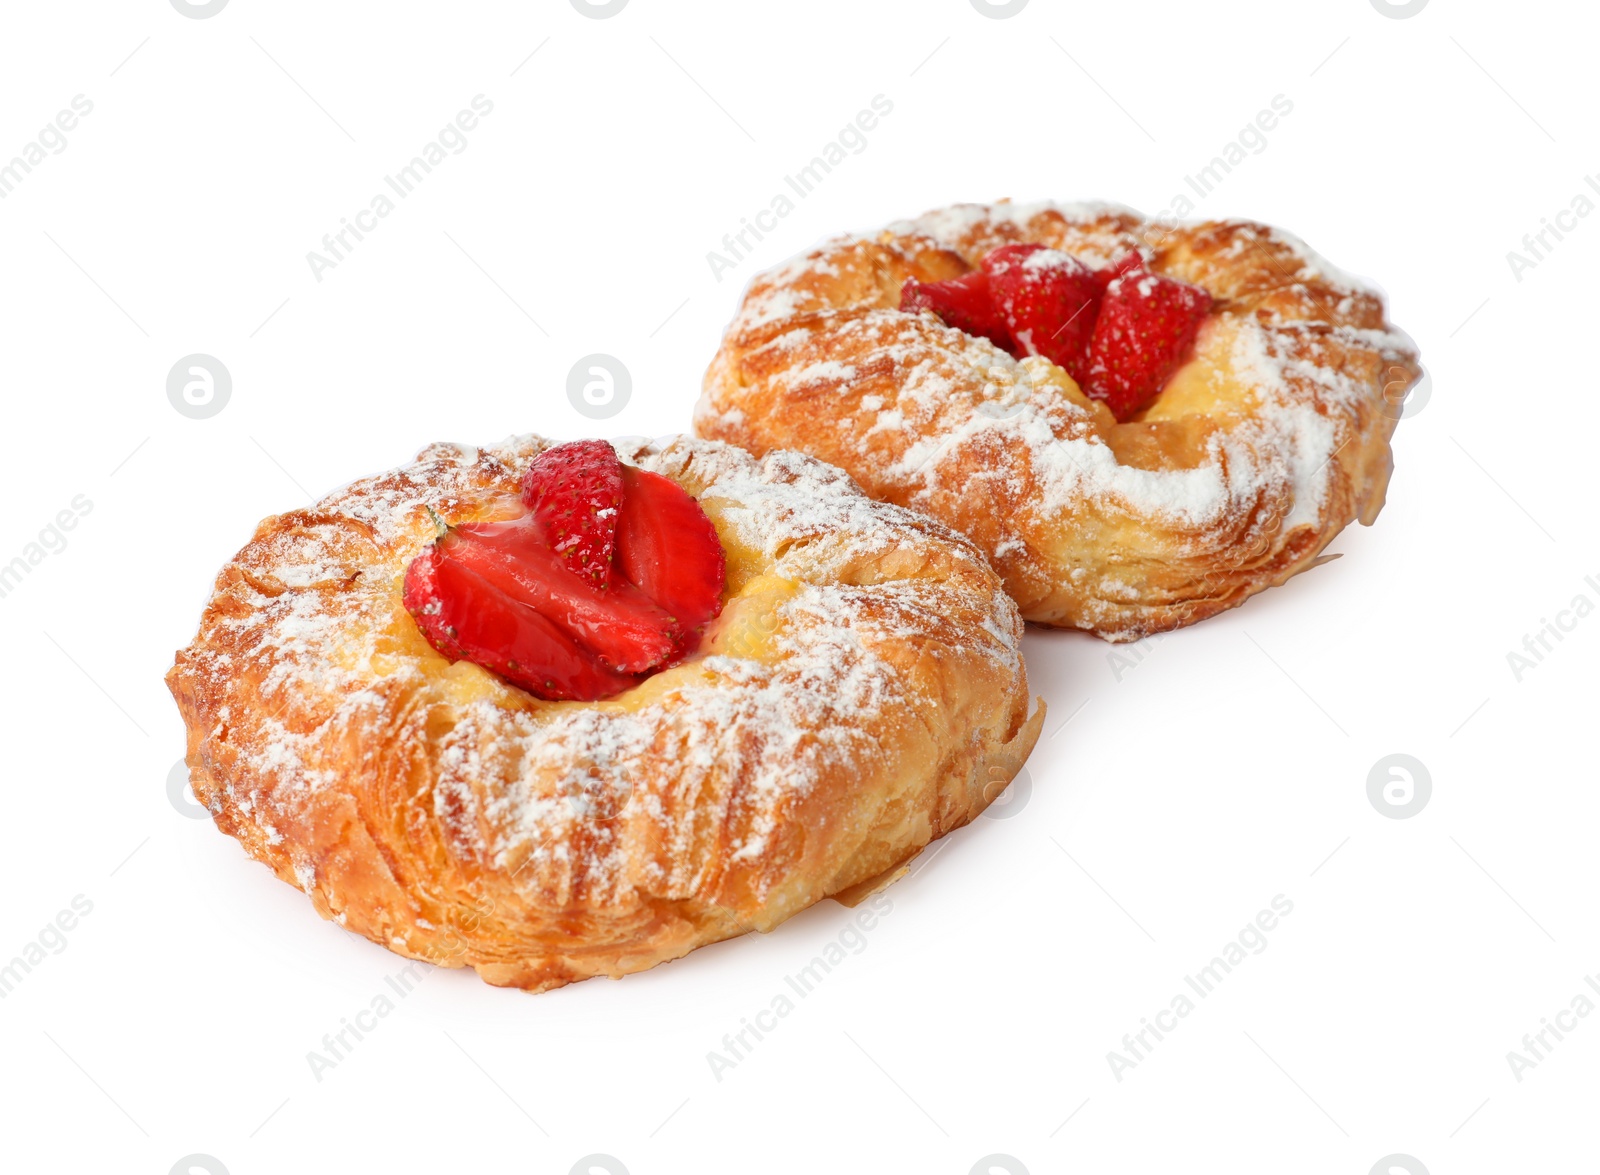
1072 463
555 791
1290 439
1262 447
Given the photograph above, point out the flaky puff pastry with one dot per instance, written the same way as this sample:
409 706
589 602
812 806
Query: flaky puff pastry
861 694
1260 449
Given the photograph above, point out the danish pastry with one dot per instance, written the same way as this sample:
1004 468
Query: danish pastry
460 786
1142 425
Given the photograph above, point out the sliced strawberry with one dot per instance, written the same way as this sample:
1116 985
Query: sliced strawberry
668 547
466 618
1127 263
1146 326
423 598
1048 299
963 302
620 625
574 491
506 597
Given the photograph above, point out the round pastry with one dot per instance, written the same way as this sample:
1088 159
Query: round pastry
659 777
1142 424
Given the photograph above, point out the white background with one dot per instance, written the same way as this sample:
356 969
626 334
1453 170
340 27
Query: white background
1228 766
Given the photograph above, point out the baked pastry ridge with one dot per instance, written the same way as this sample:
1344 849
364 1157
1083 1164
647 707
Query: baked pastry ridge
861 693
1261 447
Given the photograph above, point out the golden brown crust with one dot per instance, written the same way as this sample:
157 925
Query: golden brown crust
861 694
1259 451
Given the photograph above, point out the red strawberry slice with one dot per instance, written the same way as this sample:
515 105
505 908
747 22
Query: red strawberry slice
574 491
1048 299
505 597
1127 263
619 625
963 302
668 547
1146 326
466 618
